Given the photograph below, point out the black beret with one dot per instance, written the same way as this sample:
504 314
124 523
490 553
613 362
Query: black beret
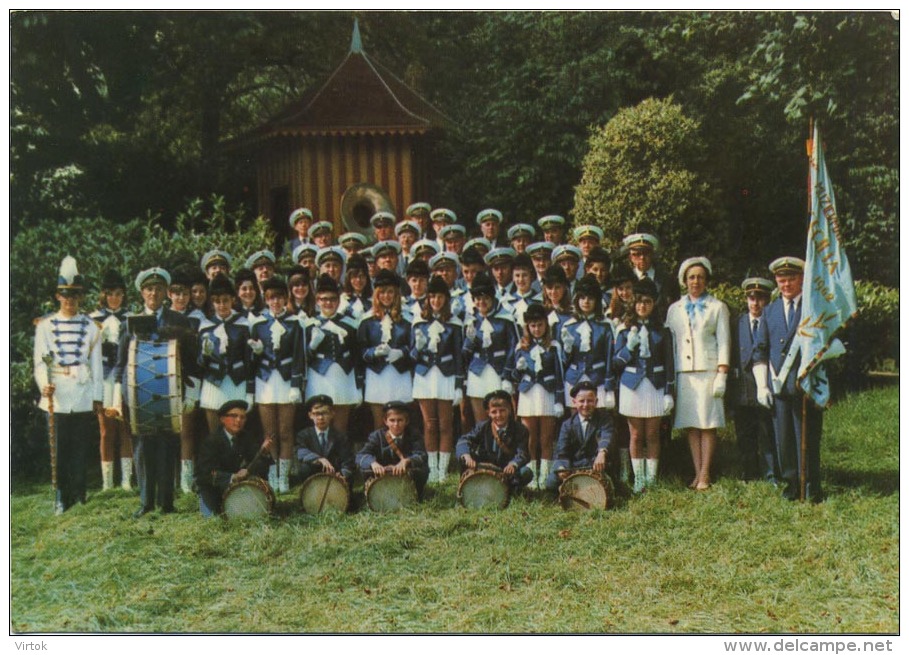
274 283
220 285
417 268
472 256
587 286
621 272
232 404
438 285
327 284
498 394
555 274
584 385
386 278
244 275
181 277
320 399
298 270
523 260
356 262
113 280
482 285
598 255
534 313
396 406
646 287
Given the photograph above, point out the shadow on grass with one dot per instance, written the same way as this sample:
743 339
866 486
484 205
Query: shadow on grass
880 483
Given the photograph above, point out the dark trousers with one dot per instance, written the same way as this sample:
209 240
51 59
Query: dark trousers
757 446
210 500
156 458
787 422
73 432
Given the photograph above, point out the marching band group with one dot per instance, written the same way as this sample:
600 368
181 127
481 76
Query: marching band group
436 336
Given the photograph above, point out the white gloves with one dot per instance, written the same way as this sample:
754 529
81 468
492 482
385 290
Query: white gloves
471 331
394 355
559 409
507 386
382 350
208 347
419 340
315 339
668 404
764 397
188 404
567 340
295 396
610 400
256 346
634 339
719 385
521 364
458 397
250 401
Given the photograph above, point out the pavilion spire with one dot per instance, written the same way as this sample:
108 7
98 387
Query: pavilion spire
356 44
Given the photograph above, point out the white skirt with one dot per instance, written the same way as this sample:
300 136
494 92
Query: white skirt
536 401
644 402
695 405
435 385
341 387
601 394
276 391
215 395
387 386
480 385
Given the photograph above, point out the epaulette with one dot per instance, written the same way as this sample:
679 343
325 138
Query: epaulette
352 322
254 320
366 314
454 320
38 319
504 313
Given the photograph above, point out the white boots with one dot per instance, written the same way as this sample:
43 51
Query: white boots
186 475
273 477
444 459
650 468
543 473
645 473
126 471
107 476
433 466
283 476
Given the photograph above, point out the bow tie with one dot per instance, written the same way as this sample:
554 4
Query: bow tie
698 305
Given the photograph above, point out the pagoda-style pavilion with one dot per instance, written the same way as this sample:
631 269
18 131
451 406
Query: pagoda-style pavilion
363 125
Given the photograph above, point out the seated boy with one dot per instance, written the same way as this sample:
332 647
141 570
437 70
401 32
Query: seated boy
584 439
395 450
322 448
500 440
229 454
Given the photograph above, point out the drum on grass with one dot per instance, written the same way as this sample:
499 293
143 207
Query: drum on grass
390 493
154 387
585 490
484 488
248 499
324 492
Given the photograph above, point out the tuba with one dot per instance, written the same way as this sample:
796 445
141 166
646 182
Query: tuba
359 203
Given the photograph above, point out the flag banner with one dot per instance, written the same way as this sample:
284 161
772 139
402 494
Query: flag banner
828 296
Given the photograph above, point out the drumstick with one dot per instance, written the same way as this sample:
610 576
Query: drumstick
324 494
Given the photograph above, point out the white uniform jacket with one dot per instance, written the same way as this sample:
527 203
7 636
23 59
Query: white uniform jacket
702 343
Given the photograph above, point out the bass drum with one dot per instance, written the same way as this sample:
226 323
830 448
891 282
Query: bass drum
583 491
251 498
390 493
481 488
324 492
154 387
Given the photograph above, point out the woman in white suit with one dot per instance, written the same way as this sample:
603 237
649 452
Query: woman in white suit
699 324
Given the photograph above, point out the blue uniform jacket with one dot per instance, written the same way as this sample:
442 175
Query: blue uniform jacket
575 449
659 368
335 348
518 304
369 335
289 358
747 352
776 339
337 450
376 449
595 363
447 353
500 352
481 445
549 372
236 362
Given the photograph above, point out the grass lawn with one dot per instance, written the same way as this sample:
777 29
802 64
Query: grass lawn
734 559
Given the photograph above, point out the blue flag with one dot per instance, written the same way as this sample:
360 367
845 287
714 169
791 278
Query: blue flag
828 297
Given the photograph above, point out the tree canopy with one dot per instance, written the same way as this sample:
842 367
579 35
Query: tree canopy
122 114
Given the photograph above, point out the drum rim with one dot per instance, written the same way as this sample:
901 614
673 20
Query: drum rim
256 483
336 476
175 384
584 474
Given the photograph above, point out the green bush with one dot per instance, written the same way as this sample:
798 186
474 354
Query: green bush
642 169
99 244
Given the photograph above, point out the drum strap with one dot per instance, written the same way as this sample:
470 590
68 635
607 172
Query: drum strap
495 435
393 445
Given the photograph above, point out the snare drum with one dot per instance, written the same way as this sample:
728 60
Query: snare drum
324 492
390 493
585 490
248 499
484 488
154 388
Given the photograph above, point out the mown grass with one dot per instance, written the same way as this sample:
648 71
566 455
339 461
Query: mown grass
734 559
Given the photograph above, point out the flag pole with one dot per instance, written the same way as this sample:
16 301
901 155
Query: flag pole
803 442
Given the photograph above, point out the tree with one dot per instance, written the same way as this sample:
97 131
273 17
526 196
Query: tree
644 168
